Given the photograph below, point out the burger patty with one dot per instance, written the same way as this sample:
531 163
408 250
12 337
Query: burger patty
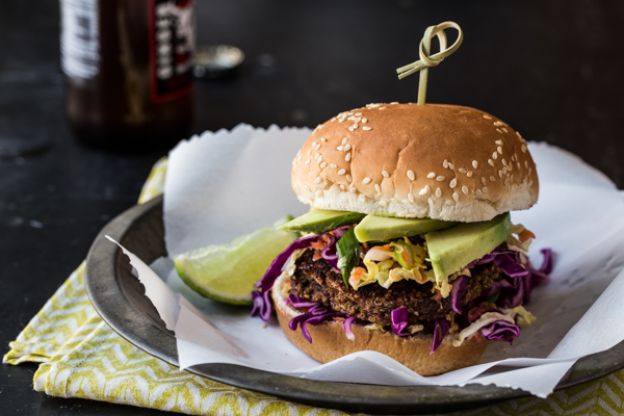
318 281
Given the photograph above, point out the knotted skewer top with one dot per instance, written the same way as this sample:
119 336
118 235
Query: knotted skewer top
428 61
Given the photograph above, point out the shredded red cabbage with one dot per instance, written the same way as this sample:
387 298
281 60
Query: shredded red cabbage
340 231
500 331
261 300
440 330
261 305
329 252
297 302
347 326
515 287
314 315
459 286
399 321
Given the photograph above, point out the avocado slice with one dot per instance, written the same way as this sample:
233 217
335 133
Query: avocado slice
379 228
320 221
451 250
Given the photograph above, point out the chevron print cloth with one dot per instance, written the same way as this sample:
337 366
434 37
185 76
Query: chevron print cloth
80 356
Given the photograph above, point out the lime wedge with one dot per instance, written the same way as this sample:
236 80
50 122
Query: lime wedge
227 273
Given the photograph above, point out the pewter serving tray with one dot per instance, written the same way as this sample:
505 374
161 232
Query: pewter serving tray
119 298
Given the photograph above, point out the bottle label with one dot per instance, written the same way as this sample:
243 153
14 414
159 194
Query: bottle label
172 43
80 55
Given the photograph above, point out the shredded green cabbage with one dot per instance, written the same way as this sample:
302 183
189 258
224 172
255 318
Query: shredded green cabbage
390 263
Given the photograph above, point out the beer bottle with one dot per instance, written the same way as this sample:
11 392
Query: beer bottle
128 67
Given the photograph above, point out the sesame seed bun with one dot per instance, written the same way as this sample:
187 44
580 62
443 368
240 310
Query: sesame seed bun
434 161
329 342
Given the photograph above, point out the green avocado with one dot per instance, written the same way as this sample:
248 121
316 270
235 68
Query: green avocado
453 249
320 221
378 228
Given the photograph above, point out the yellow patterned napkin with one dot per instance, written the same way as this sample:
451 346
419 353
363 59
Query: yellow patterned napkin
82 357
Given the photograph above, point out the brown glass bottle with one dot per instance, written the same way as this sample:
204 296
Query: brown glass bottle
128 70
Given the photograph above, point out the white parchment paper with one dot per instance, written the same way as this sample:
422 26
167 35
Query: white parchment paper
224 184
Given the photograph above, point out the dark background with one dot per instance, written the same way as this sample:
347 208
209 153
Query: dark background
552 69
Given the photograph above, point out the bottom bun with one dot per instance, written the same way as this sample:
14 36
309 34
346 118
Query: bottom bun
329 342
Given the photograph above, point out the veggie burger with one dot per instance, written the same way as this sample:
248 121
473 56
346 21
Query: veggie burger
408 248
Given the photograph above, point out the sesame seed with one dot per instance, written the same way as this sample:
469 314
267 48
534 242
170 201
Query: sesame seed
518 134
317 180
344 140
410 175
307 162
499 149
469 174
453 183
494 155
483 180
438 192
366 180
462 170
324 139
348 157
424 190
504 129
498 123
431 175
445 164
346 147
343 187
440 178
341 172
455 196
500 131
377 188
333 165
523 148
353 127
465 190
499 142
526 164
500 174
504 162
492 178
475 164
349 178
394 102
385 173
485 116
381 108
491 162
364 120
451 166
323 165
359 114
367 128
339 148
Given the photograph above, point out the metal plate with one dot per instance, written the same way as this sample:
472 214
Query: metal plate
119 299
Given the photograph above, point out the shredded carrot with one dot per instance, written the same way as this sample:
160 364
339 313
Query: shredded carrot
525 235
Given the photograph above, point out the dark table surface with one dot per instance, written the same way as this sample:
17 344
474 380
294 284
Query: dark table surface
552 69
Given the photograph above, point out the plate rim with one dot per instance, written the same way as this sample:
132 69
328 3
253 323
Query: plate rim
156 340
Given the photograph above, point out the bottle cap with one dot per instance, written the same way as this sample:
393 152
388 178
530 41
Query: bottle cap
217 61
